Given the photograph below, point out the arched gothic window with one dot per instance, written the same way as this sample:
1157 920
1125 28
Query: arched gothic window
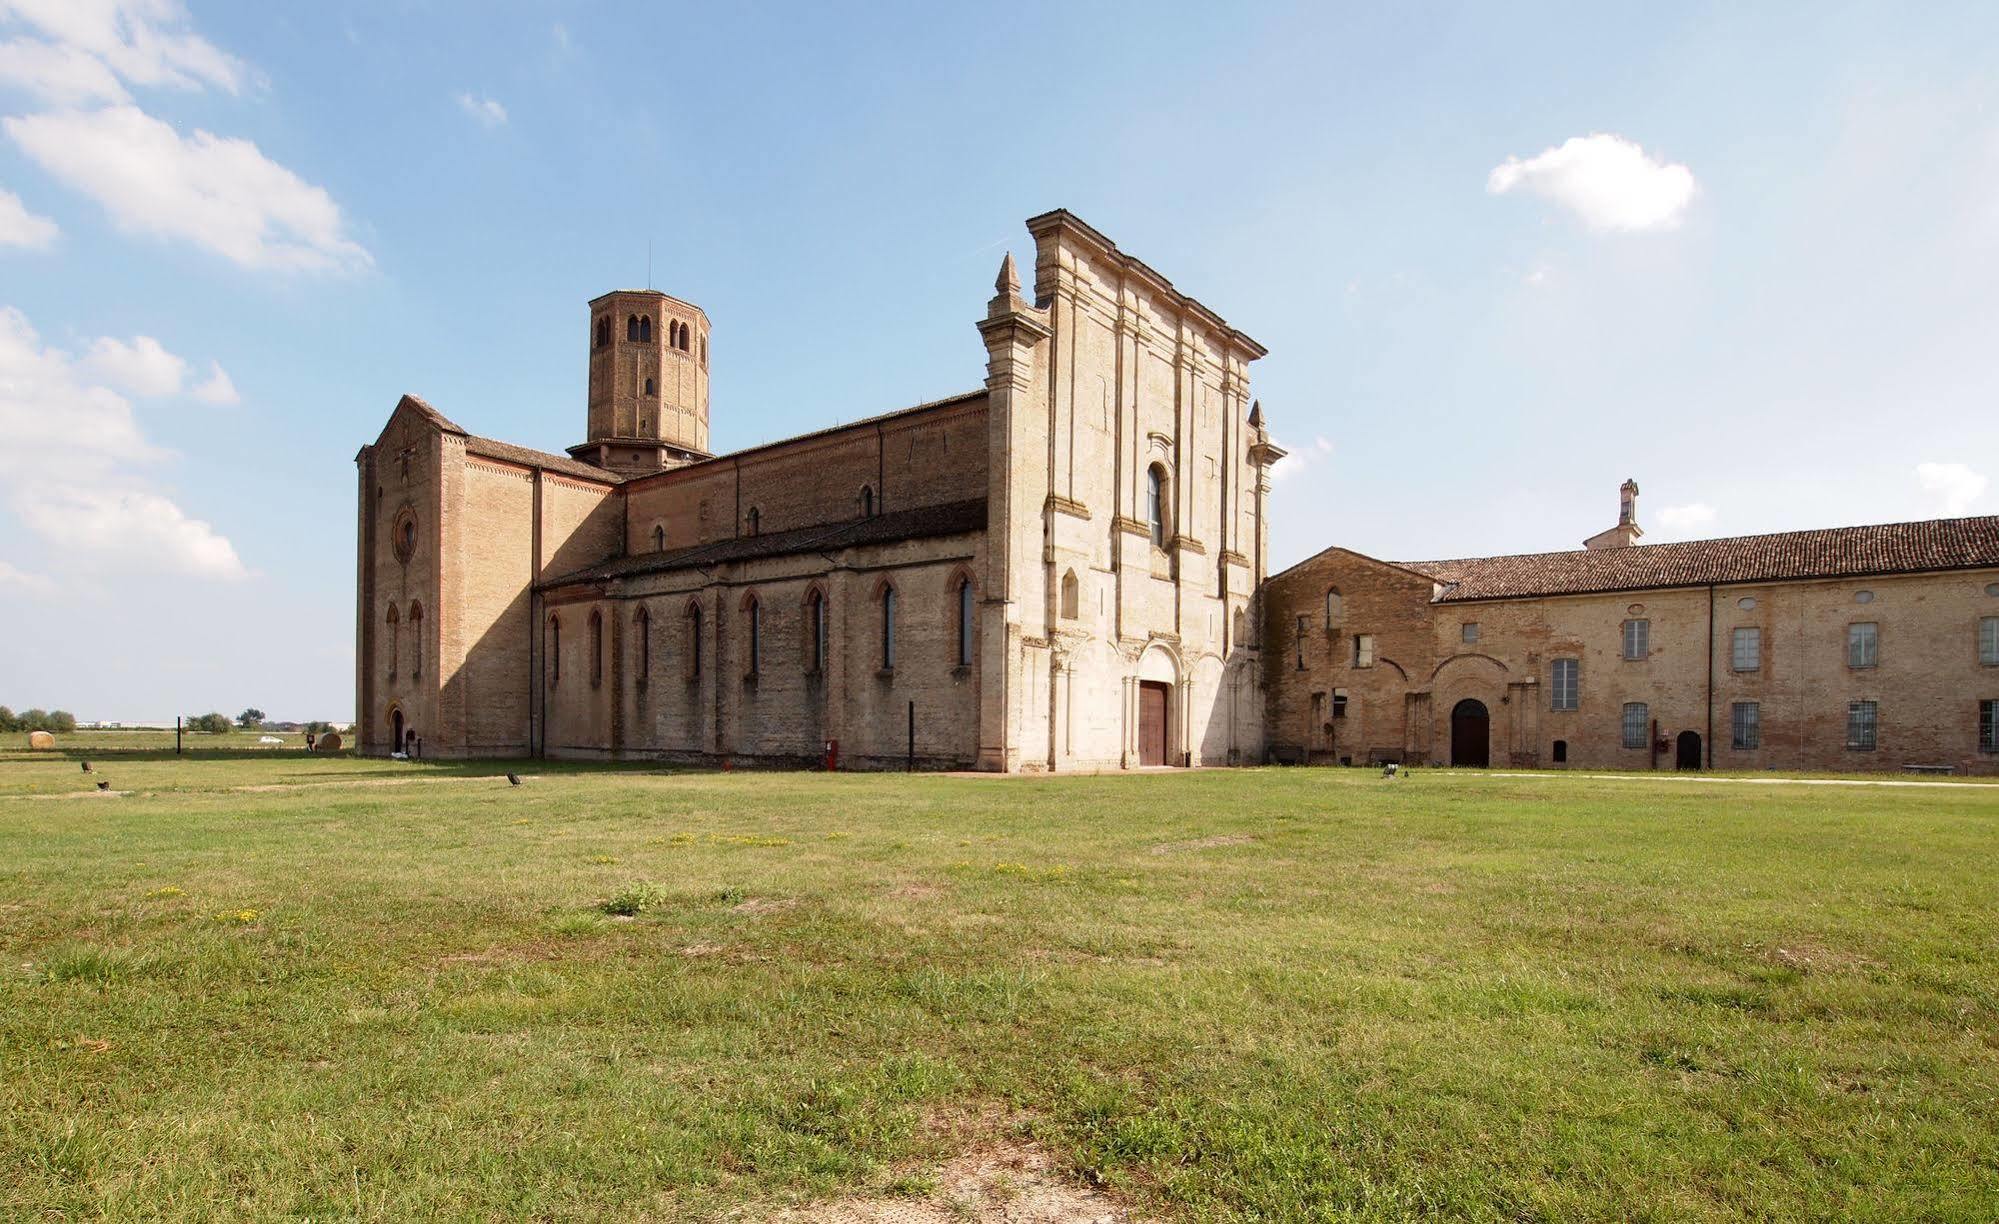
649 387
815 629
1155 504
395 632
603 332
416 641
753 633
867 501
642 630
753 520
686 341
632 328
645 327
888 628
596 648
659 539
1070 595
965 620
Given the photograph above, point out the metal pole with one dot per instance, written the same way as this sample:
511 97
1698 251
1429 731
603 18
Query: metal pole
176 735
910 767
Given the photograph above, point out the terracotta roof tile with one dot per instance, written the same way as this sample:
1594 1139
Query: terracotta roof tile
1832 552
919 523
492 448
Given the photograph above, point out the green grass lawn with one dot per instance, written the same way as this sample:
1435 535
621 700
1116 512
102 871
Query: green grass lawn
1254 995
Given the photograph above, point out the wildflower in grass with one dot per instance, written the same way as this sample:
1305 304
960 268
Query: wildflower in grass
632 900
746 839
171 890
602 858
836 836
682 839
239 917
1027 872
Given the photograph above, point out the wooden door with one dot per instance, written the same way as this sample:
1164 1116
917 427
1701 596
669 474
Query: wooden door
1471 734
1152 722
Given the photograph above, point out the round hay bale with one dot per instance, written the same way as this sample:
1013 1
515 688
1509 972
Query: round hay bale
41 740
330 742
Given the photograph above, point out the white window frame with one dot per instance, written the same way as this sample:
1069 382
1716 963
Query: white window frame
1988 641
1572 691
1745 648
1363 650
1863 644
1638 638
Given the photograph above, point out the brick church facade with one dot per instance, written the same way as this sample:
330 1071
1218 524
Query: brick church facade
1065 568
1053 571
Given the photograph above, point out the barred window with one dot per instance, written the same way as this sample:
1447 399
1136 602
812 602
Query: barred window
1746 721
1637 716
1746 653
1563 684
1861 720
1637 639
1988 726
1863 644
1988 641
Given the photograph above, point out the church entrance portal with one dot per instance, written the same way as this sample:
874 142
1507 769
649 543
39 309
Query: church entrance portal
1688 753
1152 722
1471 734
396 730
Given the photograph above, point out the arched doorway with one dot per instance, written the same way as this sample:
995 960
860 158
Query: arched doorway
1471 734
1687 751
396 730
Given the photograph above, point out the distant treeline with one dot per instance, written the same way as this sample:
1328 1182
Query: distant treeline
37 720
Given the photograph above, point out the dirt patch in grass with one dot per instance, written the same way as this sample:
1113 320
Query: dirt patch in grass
915 892
765 905
1002 1182
1203 843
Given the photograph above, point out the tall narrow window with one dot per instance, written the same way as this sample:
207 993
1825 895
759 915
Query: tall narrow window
603 332
888 627
1746 726
1746 649
1863 644
694 641
1988 641
1560 755
1155 504
867 501
1335 608
754 520
815 622
1564 687
1636 715
649 391
642 630
1070 595
645 327
753 628
596 648
395 635
1304 623
659 539
1988 726
1637 639
1363 650
416 641
964 622
632 328
554 651
1861 720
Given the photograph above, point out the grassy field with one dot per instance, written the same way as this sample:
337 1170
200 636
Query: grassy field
392 991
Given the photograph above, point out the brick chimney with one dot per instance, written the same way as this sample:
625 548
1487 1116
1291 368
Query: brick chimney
1627 531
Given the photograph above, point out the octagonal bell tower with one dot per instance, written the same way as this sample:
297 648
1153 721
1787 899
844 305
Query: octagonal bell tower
648 383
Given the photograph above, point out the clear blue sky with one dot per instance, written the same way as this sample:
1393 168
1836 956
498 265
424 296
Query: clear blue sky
1503 257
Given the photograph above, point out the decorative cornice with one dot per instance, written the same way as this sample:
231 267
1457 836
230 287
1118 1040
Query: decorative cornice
1131 526
1187 544
1063 505
1231 557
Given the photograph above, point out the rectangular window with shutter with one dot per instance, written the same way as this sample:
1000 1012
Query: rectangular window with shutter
1637 639
1863 644
1363 650
1563 687
1988 641
1746 649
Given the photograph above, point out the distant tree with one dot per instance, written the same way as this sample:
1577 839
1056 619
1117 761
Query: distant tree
7 720
33 720
250 719
61 721
318 726
216 723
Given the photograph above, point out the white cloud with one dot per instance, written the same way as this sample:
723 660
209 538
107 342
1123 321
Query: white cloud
143 41
69 445
218 387
142 367
1954 485
34 584
65 76
21 228
1681 520
488 112
1320 450
1606 180
132 527
220 193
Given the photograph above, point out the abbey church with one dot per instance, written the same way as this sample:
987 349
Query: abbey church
1065 568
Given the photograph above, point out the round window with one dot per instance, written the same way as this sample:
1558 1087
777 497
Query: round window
1747 603
1992 589
403 536
1863 597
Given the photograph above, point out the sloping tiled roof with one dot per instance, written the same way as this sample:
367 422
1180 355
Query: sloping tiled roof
1832 552
493 449
920 523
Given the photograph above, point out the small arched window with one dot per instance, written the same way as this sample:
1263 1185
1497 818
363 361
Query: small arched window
867 501
1335 608
673 333
642 630
416 641
603 332
754 520
1071 596
649 387
965 622
815 629
395 633
888 628
659 539
753 632
596 648
704 352
1155 504
694 641
554 651
632 328
686 338
645 327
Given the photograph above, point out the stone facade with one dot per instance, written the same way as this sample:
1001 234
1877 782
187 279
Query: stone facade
1370 660
1057 570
